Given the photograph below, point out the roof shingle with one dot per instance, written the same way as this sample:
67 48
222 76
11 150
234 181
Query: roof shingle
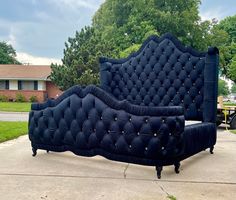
25 72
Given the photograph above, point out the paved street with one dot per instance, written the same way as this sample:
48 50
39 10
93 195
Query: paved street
66 176
14 116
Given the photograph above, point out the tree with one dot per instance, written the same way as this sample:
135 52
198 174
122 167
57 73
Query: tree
229 25
7 54
233 89
223 89
119 27
80 61
127 22
226 32
232 68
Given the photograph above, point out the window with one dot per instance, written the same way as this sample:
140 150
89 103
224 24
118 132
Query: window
35 85
27 85
4 85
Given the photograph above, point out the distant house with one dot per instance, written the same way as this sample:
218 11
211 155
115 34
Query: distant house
29 80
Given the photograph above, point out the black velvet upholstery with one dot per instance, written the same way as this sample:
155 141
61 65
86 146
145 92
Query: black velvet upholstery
164 73
91 119
138 113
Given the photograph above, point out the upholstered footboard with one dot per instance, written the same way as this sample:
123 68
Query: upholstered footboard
91 122
198 137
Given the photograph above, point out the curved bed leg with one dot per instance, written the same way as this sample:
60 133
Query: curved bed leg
177 166
47 151
211 149
34 151
159 169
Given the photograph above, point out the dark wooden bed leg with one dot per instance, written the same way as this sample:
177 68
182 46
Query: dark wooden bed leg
34 151
47 151
159 169
177 166
211 149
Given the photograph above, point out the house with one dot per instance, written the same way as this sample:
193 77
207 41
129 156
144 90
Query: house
29 80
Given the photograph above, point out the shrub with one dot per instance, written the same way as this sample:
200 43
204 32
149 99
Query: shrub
33 99
20 97
3 98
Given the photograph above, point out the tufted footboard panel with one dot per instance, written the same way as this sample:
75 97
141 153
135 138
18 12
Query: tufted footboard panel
91 122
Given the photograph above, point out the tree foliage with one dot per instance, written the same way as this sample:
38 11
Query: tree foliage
80 61
226 33
233 89
223 89
7 54
120 26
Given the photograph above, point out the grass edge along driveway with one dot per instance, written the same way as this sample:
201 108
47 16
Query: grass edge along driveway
12 130
15 106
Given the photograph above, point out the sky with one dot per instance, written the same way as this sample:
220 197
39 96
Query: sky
38 29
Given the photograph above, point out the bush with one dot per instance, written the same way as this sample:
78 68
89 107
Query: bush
20 97
33 99
3 98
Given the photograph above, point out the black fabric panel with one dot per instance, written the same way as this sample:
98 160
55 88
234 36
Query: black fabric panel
162 73
111 102
198 137
211 86
85 121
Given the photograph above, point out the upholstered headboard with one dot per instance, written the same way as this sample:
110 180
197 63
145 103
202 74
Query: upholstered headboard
165 73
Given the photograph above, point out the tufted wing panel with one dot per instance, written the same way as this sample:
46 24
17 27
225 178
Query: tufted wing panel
90 119
162 73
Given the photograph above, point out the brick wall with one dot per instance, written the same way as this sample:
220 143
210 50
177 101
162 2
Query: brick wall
52 90
11 94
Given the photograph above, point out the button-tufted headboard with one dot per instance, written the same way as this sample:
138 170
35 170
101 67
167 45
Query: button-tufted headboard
165 73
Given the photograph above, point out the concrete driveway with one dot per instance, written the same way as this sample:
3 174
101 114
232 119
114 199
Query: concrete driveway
14 116
66 176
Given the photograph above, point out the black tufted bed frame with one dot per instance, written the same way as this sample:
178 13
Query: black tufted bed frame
138 113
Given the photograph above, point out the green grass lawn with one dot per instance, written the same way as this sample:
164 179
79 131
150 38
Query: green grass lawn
229 104
233 131
11 130
15 106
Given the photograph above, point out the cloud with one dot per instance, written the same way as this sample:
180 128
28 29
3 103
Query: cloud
209 14
26 58
12 40
75 4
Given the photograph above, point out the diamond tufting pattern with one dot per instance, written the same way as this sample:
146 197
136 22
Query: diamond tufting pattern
159 75
84 121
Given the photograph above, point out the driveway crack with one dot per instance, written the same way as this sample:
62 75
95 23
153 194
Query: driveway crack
162 188
126 167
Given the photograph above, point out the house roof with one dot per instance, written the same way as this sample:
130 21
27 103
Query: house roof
24 72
